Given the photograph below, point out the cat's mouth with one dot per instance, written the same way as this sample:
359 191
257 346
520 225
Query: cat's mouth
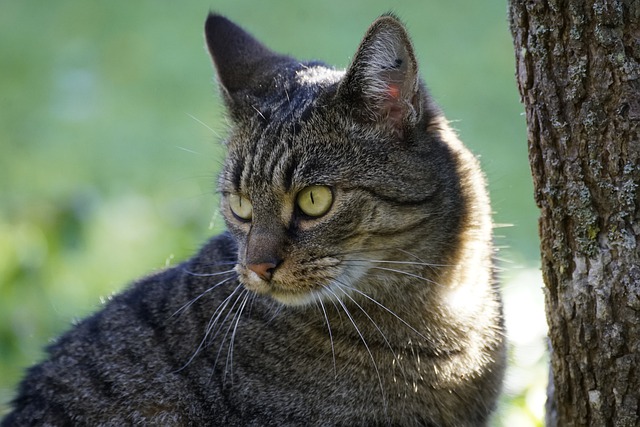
330 281
282 288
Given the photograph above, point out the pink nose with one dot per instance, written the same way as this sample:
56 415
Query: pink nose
264 270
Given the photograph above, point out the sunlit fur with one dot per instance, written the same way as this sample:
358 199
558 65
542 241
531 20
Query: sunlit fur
383 310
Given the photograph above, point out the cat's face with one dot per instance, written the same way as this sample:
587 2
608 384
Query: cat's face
327 178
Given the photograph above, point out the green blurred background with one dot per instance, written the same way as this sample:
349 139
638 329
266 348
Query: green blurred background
110 130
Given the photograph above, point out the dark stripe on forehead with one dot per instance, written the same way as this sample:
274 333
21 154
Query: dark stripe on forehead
250 156
236 173
274 159
287 173
261 163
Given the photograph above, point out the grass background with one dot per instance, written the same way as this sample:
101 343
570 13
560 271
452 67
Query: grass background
110 130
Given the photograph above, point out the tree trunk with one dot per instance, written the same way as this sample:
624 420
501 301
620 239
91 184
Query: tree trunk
577 65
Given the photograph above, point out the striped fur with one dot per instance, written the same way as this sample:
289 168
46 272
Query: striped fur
383 310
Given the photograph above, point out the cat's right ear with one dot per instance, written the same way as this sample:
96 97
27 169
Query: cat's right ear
242 62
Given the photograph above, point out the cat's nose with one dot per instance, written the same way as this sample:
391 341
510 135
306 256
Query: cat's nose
264 270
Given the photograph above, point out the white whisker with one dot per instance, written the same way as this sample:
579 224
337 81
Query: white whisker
406 273
205 125
218 273
333 351
364 341
238 315
190 303
215 316
410 253
373 322
276 313
382 306
224 338
259 113
426 264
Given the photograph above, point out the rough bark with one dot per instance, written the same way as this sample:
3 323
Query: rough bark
577 66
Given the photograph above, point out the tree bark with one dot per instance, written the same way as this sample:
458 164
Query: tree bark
577 66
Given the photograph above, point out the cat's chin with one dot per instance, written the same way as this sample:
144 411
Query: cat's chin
294 299
285 297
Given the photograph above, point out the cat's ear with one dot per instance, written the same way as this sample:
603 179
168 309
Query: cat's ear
383 76
243 63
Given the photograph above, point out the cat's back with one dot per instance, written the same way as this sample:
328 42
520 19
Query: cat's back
126 363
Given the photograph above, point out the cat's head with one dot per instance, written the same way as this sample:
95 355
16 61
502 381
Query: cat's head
333 179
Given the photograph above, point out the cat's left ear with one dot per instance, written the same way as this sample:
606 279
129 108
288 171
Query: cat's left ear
383 77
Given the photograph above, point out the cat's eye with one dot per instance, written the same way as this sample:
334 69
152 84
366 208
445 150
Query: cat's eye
241 207
315 200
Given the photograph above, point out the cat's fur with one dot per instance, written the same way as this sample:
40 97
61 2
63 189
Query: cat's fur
382 311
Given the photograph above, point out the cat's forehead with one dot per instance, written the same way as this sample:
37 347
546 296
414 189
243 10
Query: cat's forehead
284 157
288 155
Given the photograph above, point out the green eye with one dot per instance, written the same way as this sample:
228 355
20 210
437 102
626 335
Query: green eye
240 206
315 200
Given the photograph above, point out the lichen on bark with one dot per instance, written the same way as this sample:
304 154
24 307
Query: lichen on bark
578 72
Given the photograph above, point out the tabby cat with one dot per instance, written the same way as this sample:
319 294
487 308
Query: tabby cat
355 284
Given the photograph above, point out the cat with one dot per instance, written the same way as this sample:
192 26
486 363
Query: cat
355 284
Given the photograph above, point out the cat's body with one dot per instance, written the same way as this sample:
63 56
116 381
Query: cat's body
362 292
